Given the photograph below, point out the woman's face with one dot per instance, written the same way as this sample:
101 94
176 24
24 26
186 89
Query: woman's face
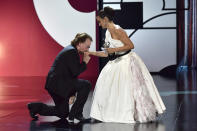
102 22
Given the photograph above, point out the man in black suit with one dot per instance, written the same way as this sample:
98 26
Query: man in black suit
62 82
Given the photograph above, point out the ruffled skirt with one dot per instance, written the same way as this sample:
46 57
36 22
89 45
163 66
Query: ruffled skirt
125 92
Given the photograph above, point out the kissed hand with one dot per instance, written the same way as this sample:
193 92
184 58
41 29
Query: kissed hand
86 53
86 57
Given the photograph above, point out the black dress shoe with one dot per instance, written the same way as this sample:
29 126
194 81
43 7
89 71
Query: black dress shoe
95 121
31 112
61 121
70 120
76 119
80 118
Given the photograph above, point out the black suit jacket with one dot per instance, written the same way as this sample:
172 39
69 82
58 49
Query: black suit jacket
62 77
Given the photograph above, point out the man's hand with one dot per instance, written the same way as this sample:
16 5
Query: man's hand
72 100
86 57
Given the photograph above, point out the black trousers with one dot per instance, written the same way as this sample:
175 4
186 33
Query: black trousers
61 108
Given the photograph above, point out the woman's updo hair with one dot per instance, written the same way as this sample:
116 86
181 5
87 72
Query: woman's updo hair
107 12
80 38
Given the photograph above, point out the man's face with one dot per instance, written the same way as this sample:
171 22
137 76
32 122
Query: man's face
84 47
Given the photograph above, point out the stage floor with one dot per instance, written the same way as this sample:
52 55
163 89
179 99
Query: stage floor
179 95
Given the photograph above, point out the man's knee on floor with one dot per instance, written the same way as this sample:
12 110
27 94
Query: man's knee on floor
63 113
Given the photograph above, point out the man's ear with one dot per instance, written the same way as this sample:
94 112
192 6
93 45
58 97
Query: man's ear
77 46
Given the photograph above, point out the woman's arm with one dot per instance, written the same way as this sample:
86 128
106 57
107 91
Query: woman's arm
122 36
98 53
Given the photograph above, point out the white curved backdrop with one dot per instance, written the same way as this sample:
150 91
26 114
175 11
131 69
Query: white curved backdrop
63 22
156 46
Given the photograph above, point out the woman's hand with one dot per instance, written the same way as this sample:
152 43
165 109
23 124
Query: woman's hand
87 53
97 53
86 57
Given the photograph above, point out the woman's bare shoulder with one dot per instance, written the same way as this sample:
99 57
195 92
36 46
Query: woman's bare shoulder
120 32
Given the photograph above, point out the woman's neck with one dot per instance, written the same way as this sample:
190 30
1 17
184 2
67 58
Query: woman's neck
111 26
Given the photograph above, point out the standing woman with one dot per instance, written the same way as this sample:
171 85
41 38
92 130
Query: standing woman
125 91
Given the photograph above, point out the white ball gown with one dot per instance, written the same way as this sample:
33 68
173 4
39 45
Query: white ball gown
125 91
